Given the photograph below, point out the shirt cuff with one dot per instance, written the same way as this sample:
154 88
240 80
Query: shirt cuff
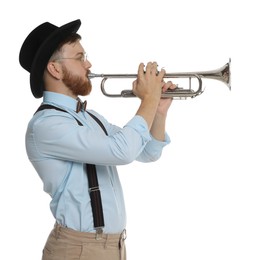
166 141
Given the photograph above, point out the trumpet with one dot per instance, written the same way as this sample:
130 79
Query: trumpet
222 74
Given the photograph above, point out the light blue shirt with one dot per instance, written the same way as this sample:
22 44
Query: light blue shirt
58 147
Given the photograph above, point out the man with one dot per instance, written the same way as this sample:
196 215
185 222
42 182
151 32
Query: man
62 140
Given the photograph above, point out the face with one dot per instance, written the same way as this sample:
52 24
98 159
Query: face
75 69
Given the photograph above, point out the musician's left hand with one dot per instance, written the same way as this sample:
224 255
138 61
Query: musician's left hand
165 103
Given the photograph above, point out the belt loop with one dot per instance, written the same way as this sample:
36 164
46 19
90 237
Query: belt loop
123 235
106 241
122 245
57 230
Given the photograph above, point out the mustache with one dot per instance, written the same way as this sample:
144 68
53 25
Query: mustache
87 73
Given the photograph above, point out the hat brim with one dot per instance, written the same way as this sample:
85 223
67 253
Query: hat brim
45 52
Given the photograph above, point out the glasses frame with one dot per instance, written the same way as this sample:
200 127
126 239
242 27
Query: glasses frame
82 59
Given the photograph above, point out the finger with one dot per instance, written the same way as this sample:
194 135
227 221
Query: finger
161 73
169 85
141 70
165 86
149 67
172 85
154 68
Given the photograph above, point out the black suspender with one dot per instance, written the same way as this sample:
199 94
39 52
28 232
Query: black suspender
94 191
95 196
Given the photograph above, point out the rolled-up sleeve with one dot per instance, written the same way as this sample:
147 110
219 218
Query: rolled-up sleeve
153 148
139 124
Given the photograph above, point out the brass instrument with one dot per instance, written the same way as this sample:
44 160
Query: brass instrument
222 74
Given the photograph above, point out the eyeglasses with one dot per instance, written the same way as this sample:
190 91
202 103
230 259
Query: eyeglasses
82 58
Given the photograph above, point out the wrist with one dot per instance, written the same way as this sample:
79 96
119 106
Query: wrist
161 112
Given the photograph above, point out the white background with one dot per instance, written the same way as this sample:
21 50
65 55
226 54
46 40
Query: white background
198 200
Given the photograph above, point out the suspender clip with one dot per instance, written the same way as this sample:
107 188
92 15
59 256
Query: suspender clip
99 233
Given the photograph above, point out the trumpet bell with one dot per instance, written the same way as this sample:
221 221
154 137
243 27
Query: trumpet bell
222 74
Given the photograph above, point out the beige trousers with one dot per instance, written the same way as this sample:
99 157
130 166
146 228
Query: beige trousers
66 244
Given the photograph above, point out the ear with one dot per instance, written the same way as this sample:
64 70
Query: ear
54 69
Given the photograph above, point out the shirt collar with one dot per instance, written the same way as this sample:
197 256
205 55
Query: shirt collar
60 100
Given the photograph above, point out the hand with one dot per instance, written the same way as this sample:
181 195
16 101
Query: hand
148 87
165 103
149 83
158 127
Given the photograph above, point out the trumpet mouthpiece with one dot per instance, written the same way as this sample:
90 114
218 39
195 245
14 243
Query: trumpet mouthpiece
94 75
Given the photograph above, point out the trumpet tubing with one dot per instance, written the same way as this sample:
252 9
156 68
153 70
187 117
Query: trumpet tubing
222 74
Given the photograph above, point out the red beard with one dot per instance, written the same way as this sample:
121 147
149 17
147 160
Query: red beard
78 85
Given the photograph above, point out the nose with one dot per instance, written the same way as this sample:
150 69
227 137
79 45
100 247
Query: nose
87 64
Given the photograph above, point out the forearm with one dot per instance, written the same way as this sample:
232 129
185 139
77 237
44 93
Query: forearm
147 110
157 129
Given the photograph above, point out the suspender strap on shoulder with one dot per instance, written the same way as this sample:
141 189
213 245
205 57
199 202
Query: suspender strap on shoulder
46 106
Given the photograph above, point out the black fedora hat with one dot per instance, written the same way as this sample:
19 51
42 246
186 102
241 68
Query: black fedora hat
39 46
